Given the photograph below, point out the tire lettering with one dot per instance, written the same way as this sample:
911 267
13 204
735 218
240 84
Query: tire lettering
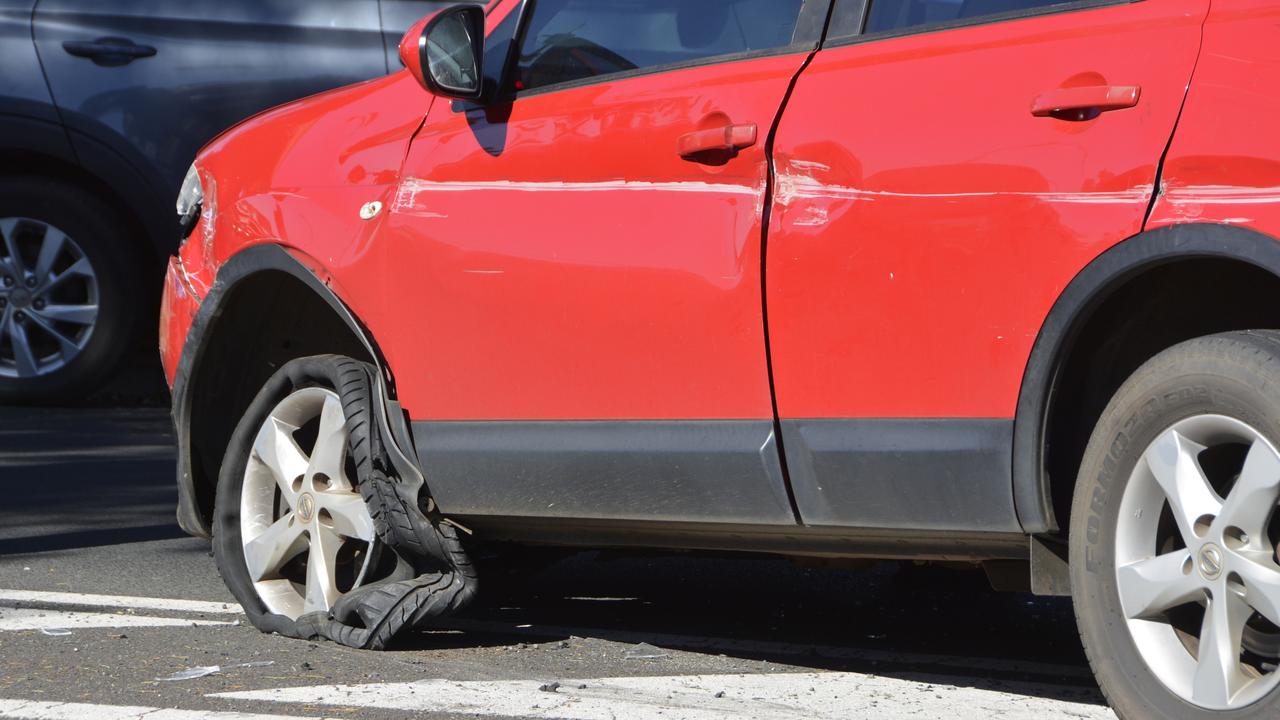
1099 500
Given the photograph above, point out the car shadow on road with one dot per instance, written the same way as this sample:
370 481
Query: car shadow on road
935 625
76 478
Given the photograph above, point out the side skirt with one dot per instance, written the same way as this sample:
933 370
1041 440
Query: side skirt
724 471
947 475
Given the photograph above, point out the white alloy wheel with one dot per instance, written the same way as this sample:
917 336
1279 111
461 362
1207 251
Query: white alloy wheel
1197 573
306 533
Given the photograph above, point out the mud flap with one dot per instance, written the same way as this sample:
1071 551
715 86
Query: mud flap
433 575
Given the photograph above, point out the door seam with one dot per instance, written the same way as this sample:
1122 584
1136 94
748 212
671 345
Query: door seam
765 218
1157 188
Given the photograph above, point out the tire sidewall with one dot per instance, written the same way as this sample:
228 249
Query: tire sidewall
1200 377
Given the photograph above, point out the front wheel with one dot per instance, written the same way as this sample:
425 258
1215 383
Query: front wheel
1174 534
292 533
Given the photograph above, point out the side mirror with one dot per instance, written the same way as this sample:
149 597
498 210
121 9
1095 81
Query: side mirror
444 51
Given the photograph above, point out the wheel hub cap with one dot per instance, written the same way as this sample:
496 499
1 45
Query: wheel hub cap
20 298
1210 561
306 506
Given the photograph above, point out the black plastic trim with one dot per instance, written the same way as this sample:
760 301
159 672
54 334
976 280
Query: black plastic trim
945 475
240 267
723 471
848 18
1073 308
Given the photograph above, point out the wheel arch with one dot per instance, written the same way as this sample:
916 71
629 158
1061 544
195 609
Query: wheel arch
233 347
1115 291
31 146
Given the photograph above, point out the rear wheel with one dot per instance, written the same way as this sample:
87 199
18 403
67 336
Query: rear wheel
1174 534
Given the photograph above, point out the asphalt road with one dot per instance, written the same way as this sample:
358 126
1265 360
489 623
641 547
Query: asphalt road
101 596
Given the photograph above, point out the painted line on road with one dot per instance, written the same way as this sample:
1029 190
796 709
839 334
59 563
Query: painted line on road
39 710
697 643
775 696
119 601
13 619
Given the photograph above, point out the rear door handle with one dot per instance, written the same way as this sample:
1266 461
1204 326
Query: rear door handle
1084 103
727 138
109 51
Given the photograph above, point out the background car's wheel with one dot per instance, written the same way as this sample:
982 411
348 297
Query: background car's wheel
1174 534
291 532
70 297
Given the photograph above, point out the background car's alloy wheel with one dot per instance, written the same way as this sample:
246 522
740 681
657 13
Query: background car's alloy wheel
306 533
48 298
1174 534
72 292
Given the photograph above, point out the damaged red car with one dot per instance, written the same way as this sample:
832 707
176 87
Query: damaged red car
981 280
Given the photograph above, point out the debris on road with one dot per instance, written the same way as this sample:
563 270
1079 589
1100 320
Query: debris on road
55 632
207 670
644 651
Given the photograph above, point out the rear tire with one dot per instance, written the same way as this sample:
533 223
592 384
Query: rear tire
1163 573
69 357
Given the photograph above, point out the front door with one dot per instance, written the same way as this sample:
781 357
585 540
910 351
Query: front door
586 264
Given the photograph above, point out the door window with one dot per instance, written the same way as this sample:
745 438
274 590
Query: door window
888 15
574 40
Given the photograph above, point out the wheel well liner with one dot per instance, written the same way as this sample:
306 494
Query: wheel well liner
1079 310
233 347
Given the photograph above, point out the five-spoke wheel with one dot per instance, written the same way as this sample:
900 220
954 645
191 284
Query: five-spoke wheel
306 533
1174 534
1194 570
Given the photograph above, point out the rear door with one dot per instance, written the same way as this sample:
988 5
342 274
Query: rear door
941 177
156 79
582 265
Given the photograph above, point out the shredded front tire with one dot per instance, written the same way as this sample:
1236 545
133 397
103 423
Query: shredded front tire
429 573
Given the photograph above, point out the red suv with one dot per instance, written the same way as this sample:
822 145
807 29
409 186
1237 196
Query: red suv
981 280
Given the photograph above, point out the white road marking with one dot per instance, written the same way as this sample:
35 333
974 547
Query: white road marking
119 601
778 696
12 619
38 710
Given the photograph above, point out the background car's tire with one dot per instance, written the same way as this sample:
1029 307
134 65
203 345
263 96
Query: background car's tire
79 307
1204 414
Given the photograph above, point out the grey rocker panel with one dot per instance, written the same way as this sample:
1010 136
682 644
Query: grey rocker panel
703 470
930 474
